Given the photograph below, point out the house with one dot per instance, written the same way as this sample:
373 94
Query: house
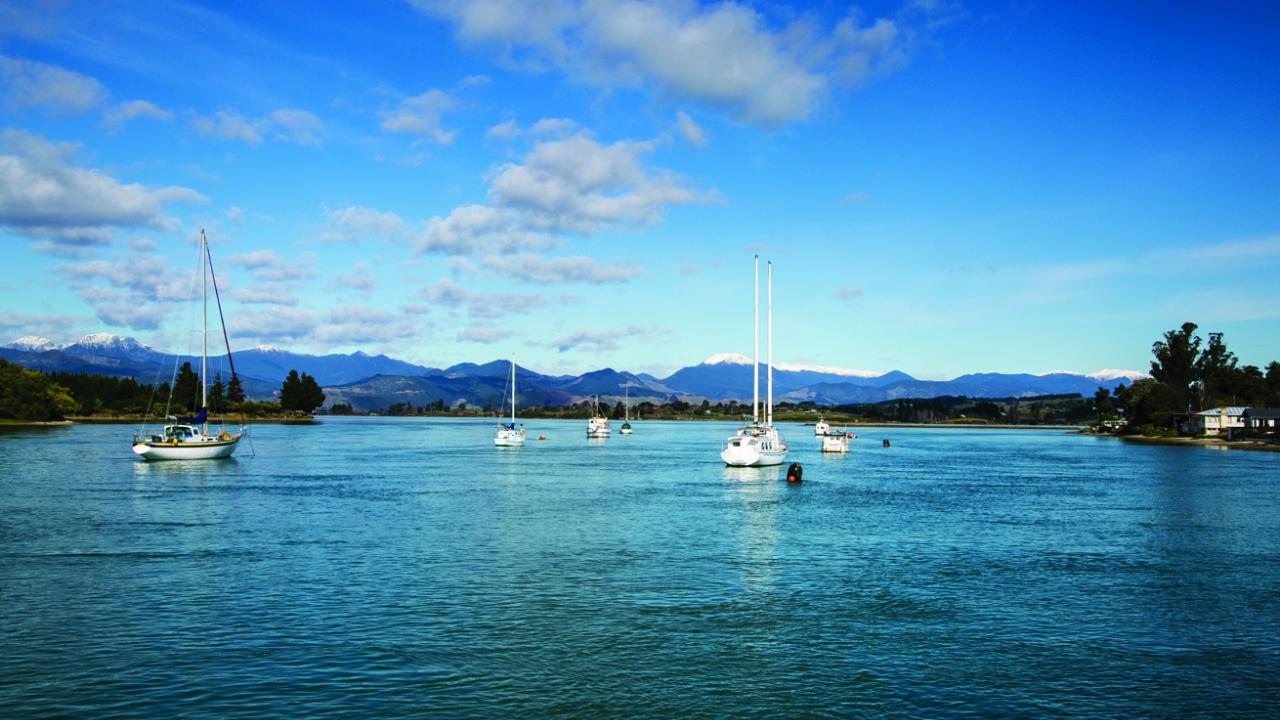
1262 419
1217 420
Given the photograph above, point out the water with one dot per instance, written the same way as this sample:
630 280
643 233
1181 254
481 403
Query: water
390 567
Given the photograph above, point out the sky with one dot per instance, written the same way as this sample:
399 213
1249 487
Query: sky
943 187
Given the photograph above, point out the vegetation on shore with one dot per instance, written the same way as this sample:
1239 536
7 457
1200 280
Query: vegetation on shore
29 395
1187 375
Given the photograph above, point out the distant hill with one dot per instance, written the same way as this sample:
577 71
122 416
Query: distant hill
375 382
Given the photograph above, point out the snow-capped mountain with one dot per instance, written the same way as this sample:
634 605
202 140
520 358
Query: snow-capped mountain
1109 374
33 343
113 346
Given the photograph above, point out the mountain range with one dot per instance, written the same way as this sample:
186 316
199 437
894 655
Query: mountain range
374 382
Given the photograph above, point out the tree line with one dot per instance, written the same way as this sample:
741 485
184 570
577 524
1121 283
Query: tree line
40 396
1188 375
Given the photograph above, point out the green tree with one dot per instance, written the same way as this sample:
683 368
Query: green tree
1273 384
290 390
186 388
1175 363
1215 371
1102 403
29 395
235 392
310 396
217 393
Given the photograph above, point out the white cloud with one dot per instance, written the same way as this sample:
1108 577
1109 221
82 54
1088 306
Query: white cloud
28 83
449 294
267 266
1255 249
506 130
296 126
579 185
479 229
553 126
421 115
14 324
724 55
549 271
690 130
343 326
44 196
597 341
126 111
360 279
264 295
848 292
354 223
285 125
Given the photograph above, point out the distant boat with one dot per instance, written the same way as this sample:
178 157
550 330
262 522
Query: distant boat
597 424
188 438
821 427
835 441
626 405
510 434
758 444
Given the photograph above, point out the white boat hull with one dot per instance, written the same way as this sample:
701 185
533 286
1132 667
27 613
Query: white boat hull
508 438
835 443
746 450
210 450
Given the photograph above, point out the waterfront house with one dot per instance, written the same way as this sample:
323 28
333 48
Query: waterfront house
1218 420
1262 419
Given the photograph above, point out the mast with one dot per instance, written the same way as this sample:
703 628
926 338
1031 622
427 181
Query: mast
769 416
204 325
513 392
755 353
626 402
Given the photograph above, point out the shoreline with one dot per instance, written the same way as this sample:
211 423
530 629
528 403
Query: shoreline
213 420
1211 443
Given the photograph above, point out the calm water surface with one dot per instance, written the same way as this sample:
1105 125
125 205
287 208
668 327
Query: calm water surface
397 567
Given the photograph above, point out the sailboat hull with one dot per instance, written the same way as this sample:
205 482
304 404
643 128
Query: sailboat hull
212 450
507 438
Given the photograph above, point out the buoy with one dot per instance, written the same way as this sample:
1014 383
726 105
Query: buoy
542 437
886 442
795 473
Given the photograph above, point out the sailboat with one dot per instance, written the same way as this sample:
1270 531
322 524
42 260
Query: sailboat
597 424
626 404
758 444
509 434
188 438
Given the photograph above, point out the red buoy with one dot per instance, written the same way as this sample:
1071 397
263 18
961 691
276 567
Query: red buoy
542 437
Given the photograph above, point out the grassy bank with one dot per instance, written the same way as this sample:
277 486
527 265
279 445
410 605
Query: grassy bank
1215 443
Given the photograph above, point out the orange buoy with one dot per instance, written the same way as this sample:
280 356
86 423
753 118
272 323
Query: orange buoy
542 437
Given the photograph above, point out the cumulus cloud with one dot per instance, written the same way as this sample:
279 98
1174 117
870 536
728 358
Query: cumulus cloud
577 184
506 130
284 125
354 223
421 115
263 295
268 266
132 110
45 197
136 290
343 326
600 341
360 279
450 294
27 83
724 55
478 229
14 324
549 271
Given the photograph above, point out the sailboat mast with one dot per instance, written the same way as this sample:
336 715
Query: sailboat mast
513 392
204 321
755 352
769 417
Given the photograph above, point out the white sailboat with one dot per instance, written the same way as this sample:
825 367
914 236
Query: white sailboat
626 405
188 438
758 444
597 424
510 434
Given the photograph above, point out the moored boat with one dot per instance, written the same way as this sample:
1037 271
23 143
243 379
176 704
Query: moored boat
758 444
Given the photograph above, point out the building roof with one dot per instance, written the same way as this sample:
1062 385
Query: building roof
1262 413
1232 411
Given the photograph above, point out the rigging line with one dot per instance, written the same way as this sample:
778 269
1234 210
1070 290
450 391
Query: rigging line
177 357
223 321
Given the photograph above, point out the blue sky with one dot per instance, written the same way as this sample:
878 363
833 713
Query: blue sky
944 187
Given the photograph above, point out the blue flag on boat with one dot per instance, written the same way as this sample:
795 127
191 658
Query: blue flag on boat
197 418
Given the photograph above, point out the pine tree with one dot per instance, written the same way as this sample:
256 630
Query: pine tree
186 389
290 391
235 393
